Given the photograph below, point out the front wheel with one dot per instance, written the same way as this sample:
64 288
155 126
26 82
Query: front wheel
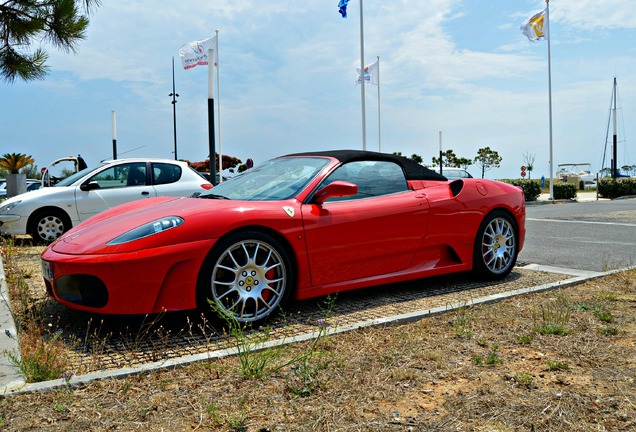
246 278
496 246
48 225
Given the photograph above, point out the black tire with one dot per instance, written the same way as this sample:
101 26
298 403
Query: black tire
496 246
247 277
48 225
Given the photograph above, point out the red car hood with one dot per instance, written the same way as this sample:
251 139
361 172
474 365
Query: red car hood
92 236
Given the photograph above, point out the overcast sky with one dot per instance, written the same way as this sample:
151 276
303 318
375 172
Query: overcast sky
287 72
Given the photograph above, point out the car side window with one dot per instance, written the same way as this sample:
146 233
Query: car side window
165 173
373 178
136 175
133 174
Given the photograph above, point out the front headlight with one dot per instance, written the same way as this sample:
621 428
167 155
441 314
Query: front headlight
148 229
7 207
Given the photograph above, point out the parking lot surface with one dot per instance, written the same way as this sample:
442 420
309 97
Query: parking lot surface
96 344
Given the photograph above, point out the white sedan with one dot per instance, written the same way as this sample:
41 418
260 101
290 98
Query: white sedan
47 213
452 173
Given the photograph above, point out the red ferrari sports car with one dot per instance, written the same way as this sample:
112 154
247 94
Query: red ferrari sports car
302 225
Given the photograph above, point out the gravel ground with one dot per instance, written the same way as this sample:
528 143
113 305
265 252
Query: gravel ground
95 343
491 367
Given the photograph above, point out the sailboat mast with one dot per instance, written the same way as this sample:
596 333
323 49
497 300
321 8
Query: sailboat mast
614 138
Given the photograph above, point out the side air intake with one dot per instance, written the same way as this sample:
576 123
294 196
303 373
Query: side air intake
456 187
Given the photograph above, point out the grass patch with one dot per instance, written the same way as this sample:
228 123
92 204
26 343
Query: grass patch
605 316
609 331
525 340
492 358
257 362
463 323
553 317
41 356
558 366
41 359
523 378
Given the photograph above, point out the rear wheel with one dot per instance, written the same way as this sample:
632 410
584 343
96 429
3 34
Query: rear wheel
246 277
48 225
496 246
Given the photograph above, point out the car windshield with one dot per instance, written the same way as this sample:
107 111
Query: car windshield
277 179
78 175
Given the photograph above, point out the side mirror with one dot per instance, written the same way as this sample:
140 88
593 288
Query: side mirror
89 186
338 188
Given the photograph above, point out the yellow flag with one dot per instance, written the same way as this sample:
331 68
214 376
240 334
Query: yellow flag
535 26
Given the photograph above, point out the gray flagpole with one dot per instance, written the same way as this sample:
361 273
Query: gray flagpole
614 135
364 117
547 15
379 125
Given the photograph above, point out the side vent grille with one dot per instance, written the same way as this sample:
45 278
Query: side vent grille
456 187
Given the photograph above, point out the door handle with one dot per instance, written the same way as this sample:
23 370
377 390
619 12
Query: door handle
145 193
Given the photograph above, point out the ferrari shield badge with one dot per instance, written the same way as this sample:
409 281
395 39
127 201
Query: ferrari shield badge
289 211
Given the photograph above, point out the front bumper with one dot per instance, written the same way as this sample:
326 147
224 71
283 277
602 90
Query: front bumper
11 224
146 281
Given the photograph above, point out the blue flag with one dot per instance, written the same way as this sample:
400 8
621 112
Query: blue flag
343 7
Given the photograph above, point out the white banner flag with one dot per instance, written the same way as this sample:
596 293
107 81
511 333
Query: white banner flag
196 53
371 74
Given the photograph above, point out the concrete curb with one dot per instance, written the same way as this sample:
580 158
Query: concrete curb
18 387
581 197
11 378
544 199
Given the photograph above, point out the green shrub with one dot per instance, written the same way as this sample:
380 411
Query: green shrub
523 378
564 191
558 366
614 188
604 315
531 188
463 323
524 340
609 331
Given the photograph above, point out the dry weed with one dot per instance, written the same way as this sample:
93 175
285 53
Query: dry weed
412 377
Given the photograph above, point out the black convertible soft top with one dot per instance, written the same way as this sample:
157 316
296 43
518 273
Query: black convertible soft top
412 170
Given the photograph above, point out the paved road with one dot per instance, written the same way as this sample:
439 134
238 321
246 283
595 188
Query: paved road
596 235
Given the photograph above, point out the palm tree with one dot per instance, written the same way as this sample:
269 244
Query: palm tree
14 162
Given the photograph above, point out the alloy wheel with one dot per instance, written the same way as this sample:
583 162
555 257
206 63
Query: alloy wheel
249 280
498 245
